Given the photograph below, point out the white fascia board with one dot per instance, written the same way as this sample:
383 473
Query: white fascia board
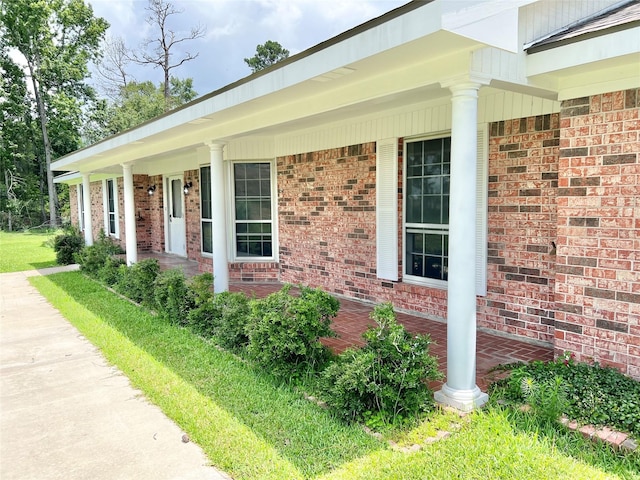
605 47
491 22
612 79
397 31
75 178
72 178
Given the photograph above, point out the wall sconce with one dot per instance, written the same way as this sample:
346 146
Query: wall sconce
151 190
187 186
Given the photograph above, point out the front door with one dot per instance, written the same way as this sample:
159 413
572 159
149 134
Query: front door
175 216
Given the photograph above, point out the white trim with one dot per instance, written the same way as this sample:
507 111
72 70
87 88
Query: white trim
482 180
202 220
166 186
232 213
387 209
105 203
481 213
80 202
412 279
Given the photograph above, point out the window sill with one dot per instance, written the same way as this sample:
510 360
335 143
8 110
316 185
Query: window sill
423 282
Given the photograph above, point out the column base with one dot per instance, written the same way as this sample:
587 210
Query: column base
463 400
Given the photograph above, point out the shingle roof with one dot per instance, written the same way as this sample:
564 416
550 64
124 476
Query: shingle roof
619 18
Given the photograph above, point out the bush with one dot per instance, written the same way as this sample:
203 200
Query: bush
93 258
172 297
594 394
223 318
111 271
67 245
201 288
387 379
284 331
137 281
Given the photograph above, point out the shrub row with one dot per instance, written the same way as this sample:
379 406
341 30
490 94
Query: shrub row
382 382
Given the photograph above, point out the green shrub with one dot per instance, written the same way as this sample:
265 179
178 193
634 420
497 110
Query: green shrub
93 258
224 318
201 288
594 394
284 331
137 282
172 296
109 273
67 245
387 379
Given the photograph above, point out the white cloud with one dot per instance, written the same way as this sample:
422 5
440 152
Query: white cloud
235 27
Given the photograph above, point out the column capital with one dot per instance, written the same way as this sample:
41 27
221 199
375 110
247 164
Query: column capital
466 81
215 146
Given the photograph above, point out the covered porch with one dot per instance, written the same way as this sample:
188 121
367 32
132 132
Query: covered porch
353 320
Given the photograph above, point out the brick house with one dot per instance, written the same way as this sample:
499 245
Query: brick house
478 165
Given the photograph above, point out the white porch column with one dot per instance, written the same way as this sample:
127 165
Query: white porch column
130 215
218 220
86 201
461 390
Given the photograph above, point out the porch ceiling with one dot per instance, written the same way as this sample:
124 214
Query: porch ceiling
403 75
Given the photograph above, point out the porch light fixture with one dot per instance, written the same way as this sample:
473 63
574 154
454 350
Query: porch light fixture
187 186
151 190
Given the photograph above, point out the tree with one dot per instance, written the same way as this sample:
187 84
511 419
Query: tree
57 39
136 103
158 51
266 55
112 68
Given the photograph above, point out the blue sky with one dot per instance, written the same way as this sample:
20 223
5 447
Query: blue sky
234 28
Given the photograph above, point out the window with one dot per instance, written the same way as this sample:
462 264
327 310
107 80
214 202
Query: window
253 210
426 222
205 210
111 207
80 192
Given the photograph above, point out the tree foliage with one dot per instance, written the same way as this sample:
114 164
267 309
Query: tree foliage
266 55
136 103
52 42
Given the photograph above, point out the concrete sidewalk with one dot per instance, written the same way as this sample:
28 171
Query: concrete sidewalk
66 414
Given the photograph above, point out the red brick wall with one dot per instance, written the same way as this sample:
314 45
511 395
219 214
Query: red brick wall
73 205
327 224
523 179
143 220
598 275
155 205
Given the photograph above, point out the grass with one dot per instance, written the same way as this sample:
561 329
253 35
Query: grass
21 251
254 428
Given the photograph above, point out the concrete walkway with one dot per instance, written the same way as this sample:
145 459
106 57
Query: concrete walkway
66 414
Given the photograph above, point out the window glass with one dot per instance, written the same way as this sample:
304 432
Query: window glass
205 209
253 209
427 208
111 206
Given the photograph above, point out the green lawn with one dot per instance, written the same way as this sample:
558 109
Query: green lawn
253 428
25 251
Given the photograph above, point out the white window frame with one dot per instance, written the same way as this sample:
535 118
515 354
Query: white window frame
105 202
80 195
202 219
426 228
233 253
386 180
